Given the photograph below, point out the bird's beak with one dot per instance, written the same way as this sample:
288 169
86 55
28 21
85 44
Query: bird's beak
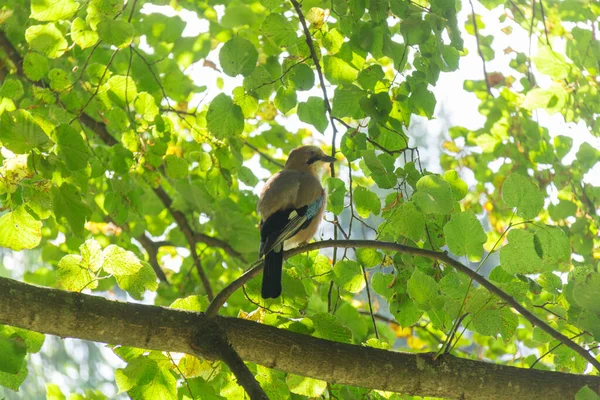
328 159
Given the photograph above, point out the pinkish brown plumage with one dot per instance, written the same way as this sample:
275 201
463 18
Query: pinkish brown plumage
291 207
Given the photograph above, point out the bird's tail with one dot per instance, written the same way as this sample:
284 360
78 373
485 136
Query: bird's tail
271 281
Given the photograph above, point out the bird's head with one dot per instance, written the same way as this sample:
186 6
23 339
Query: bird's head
308 158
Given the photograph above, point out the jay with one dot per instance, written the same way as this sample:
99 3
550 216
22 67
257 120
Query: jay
291 208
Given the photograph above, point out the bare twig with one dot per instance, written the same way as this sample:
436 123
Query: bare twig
485 74
262 154
89 100
152 250
544 22
364 271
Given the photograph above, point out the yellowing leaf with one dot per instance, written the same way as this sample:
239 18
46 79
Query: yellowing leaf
19 230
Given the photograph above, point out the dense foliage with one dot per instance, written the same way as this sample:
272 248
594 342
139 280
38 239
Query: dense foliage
125 171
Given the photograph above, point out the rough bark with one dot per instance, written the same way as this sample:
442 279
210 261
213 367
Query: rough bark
77 315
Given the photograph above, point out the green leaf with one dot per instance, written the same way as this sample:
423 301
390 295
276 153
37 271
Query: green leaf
285 99
562 145
332 41
328 327
459 187
353 144
259 83
238 56
73 275
13 381
349 276
72 147
422 102
422 289
368 258
67 203
301 77
12 89
82 34
305 386
19 230
380 169
120 262
585 393
553 245
116 32
145 105
13 351
551 63
336 191
433 195
46 39
52 10
278 29
368 77
346 102
338 71
377 106
137 283
487 322
246 175
381 284
465 236
588 155
35 66
92 256
520 192
366 202
313 112
224 118
519 256
247 102
176 167
146 378
122 89
21 133
195 303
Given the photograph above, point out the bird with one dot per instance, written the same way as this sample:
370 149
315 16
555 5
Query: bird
291 206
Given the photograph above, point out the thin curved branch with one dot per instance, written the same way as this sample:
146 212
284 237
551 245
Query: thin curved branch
71 314
222 297
476 31
151 248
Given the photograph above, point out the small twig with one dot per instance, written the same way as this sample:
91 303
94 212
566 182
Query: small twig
112 58
485 74
263 155
364 271
544 22
152 250
552 349
187 383
529 73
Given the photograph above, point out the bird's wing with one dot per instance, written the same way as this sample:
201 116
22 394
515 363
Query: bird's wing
298 208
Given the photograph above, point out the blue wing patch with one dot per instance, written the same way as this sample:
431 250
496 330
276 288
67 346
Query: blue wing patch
314 208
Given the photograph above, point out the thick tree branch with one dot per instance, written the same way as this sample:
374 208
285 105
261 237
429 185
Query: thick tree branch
70 314
257 267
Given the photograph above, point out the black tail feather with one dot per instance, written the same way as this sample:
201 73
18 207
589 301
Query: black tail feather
271 281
